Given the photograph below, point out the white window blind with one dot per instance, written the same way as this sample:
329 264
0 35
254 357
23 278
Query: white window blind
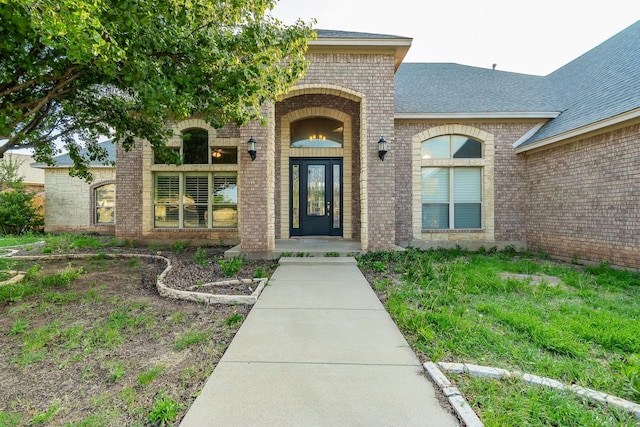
435 185
467 185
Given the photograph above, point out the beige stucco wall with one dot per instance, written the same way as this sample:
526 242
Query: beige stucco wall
68 200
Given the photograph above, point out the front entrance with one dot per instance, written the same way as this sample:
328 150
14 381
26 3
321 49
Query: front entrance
315 191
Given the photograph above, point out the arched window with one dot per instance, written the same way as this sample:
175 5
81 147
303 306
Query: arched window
452 189
195 147
195 150
317 132
105 204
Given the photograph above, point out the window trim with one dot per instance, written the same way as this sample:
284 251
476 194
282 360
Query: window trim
182 174
487 231
94 203
451 200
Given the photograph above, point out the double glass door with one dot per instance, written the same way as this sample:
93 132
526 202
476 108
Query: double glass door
315 197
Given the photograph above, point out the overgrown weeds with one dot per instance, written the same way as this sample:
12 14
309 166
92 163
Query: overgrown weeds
454 305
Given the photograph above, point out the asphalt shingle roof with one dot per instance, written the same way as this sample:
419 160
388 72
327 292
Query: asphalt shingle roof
64 160
598 85
336 34
454 88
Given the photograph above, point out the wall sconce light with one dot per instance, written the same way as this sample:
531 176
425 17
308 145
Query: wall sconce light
382 148
251 144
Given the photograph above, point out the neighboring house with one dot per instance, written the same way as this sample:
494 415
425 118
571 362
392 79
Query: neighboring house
33 178
72 204
474 157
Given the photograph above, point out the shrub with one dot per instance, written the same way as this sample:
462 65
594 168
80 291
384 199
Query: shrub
230 267
18 214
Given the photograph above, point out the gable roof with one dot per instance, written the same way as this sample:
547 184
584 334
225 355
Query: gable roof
337 34
335 40
64 160
598 89
453 89
597 86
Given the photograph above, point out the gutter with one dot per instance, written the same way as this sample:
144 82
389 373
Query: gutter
479 115
611 121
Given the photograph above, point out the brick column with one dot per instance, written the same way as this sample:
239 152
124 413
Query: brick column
129 175
256 186
380 191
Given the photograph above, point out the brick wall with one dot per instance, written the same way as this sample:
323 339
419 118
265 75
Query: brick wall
584 198
129 192
318 102
68 201
370 78
509 194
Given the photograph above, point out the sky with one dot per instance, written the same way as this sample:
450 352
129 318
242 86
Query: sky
523 36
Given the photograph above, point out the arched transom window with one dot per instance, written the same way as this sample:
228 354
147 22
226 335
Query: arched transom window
451 188
317 132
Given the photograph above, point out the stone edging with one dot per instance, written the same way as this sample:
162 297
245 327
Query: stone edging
497 373
16 276
460 405
163 289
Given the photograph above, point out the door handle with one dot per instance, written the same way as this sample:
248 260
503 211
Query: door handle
328 208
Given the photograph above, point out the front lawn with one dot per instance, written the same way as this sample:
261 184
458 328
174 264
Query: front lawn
456 306
89 342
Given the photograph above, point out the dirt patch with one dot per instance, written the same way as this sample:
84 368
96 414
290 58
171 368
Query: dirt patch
104 348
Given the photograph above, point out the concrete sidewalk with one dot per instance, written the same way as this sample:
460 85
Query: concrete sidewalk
318 349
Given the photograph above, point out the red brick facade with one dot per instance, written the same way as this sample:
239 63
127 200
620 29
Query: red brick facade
583 198
580 199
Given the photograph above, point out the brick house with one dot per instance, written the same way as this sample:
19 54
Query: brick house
474 157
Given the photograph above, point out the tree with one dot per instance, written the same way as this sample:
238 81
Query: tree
73 70
10 176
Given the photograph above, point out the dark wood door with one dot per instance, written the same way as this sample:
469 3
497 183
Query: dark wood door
316 197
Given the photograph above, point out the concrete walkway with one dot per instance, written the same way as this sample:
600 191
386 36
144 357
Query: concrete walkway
318 349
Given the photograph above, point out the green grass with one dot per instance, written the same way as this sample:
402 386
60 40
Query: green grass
190 338
454 306
10 240
147 377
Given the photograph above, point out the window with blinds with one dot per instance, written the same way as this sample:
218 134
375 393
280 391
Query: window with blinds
195 200
451 198
452 191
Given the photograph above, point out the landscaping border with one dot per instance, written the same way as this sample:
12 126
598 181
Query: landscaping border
164 290
498 373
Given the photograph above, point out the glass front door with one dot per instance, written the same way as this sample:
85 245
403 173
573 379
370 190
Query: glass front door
316 197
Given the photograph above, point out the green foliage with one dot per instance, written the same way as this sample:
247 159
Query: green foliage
332 254
233 319
10 173
179 246
78 69
18 214
200 257
9 420
189 338
164 411
19 326
512 403
24 239
230 267
259 273
46 416
61 279
150 375
116 372
455 305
